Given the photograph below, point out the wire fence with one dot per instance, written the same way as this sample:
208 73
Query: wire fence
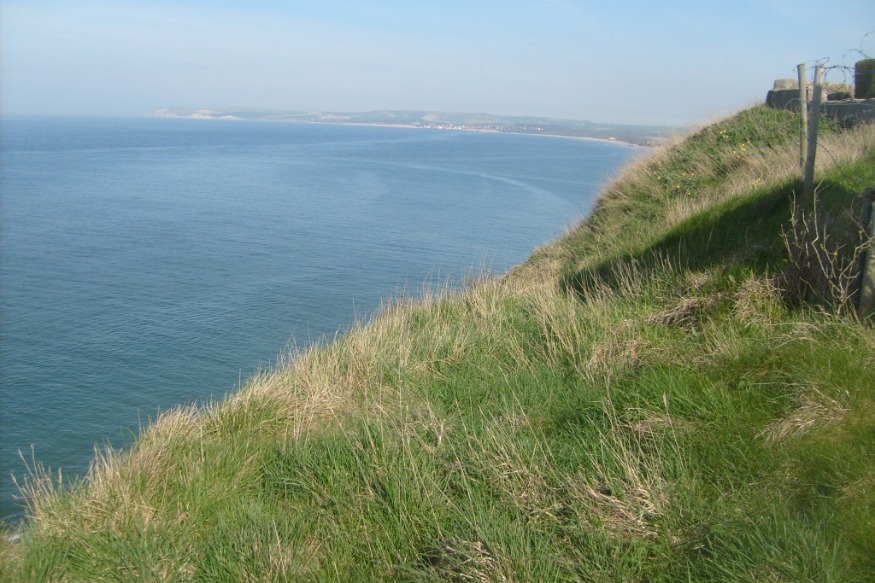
862 288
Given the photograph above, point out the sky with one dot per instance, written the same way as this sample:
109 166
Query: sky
673 62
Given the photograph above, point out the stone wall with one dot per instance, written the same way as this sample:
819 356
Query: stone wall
838 102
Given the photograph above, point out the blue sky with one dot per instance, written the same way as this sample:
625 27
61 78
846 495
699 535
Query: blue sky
673 62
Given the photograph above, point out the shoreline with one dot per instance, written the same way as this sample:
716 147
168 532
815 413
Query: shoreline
471 130
459 128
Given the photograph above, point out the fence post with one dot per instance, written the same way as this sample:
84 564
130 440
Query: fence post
813 123
866 263
803 112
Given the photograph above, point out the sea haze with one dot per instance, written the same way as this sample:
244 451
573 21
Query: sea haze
153 262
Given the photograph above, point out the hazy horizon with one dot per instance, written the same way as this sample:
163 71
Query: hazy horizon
674 63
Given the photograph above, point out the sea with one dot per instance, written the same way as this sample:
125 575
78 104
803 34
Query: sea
147 262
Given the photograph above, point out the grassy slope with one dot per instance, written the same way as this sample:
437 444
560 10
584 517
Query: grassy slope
639 401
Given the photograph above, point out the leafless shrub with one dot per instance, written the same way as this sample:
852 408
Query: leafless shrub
823 265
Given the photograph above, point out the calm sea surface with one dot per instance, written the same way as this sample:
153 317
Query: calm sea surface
152 262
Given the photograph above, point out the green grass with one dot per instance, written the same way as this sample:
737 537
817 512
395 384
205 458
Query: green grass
654 397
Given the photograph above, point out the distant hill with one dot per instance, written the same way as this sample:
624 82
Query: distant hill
633 134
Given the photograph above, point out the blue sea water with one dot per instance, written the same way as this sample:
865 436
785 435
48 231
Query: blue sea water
146 263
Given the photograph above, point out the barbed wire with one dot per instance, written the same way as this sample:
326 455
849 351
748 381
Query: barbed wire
845 70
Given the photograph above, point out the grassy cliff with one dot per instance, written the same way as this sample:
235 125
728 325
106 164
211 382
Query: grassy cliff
677 389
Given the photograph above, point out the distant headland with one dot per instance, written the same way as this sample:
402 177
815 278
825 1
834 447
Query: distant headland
478 122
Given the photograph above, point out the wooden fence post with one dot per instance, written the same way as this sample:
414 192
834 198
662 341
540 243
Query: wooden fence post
866 265
813 122
803 112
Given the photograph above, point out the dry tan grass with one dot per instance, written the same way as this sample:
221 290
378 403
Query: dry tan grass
562 328
858 490
630 505
687 312
461 560
812 409
541 271
615 353
647 424
515 473
758 302
114 502
125 488
846 147
619 349
39 488
625 515
627 509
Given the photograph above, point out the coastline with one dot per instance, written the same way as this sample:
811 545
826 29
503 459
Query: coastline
640 136
471 130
